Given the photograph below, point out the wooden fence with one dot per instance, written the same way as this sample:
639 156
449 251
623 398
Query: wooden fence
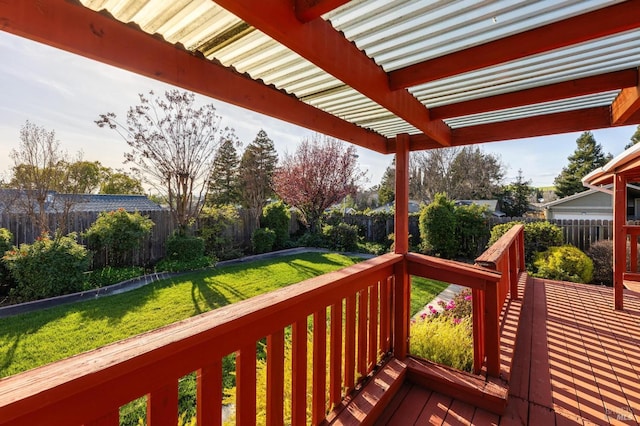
151 250
581 233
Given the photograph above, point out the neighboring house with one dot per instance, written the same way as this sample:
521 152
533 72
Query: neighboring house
414 207
492 206
592 204
11 202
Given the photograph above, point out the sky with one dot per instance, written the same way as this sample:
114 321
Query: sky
66 93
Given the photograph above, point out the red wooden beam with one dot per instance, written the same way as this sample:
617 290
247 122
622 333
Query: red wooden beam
599 23
308 10
320 43
80 30
626 104
568 89
542 125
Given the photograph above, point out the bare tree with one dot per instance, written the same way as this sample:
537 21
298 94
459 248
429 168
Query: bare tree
322 172
461 173
41 176
173 144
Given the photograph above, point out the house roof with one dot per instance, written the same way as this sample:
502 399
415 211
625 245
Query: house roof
576 196
108 202
443 72
626 162
9 199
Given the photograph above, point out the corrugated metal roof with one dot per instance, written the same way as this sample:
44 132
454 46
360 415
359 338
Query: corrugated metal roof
395 35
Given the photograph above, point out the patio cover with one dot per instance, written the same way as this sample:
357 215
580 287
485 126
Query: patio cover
446 73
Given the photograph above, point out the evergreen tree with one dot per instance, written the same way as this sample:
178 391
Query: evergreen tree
387 188
224 180
257 167
587 157
634 139
515 198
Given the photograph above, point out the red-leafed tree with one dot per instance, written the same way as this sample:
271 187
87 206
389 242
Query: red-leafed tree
322 172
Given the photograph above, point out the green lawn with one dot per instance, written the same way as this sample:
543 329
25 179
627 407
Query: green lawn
38 338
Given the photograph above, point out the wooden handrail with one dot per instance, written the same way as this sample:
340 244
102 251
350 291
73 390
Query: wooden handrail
89 388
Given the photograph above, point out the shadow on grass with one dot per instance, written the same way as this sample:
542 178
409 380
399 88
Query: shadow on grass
207 295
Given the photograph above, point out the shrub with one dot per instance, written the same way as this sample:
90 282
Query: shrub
444 341
564 263
47 267
438 227
118 233
276 217
471 230
446 337
214 224
601 253
184 253
538 236
341 237
262 240
310 240
184 247
6 242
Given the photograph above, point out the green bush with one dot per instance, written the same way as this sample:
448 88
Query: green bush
6 242
341 237
184 253
215 223
444 341
564 263
117 233
538 237
310 240
262 240
601 253
184 248
471 230
47 267
276 217
437 228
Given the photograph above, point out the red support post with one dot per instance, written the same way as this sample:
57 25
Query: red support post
492 329
402 279
619 237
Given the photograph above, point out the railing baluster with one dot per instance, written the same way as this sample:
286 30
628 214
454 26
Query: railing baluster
319 404
335 355
385 315
209 394
350 343
275 378
633 258
246 385
362 332
162 405
477 300
299 373
373 326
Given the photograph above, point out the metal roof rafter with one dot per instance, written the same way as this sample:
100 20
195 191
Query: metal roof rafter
321 44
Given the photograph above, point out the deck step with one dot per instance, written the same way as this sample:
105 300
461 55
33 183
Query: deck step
368 403
490 395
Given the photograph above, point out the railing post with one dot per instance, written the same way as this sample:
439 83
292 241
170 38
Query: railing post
619 238
477 300
492 329
162 405
513 270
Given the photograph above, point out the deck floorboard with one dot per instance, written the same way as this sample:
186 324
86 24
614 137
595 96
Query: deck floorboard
576 361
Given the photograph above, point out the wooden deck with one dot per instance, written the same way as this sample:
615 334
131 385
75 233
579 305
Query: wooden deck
577 361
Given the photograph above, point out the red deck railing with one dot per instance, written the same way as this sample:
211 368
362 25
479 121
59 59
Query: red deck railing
90 388
630 236
355 317
507 257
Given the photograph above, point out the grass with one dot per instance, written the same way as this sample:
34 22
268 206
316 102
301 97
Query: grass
31 340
